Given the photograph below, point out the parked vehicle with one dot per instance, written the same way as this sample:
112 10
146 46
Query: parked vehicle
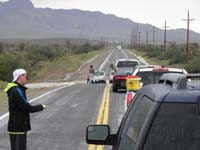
99 77
119 79
119 47
161 117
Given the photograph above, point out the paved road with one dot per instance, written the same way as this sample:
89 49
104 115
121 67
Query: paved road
71 108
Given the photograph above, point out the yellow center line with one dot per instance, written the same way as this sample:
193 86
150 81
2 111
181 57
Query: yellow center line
103 114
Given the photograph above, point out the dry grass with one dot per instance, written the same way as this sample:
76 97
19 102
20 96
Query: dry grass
3 102
56 69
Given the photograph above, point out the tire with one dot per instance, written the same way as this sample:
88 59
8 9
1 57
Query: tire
114 89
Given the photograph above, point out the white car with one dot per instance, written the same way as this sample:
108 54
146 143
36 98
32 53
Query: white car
150 76
99 77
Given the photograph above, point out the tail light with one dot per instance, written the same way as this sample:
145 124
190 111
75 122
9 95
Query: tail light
120 77
129 98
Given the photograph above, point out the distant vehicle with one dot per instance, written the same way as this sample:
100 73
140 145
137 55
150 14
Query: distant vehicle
150 76
161 117
119 78
99 77
120 63
119 47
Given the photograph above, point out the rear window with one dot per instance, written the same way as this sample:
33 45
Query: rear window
151 77
125 71
99 73
176 126
127 64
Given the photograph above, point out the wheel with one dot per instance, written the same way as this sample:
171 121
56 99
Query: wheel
114 89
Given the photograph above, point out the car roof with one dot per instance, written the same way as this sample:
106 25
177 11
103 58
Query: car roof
148 66
125 68
165 93
161 69
156 92
127 59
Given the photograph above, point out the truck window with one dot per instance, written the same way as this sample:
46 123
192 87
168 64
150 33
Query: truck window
176 126
134 123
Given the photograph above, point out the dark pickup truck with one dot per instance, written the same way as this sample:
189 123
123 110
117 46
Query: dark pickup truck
164 116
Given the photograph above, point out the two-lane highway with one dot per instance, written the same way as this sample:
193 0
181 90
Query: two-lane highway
70 109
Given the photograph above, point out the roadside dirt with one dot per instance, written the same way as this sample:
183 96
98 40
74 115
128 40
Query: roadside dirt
80 76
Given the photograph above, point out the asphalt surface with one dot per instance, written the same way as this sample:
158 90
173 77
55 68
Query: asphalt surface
71 108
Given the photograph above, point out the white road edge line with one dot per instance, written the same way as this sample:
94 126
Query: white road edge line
6 114
103 64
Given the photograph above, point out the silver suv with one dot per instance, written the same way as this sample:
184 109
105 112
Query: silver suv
126 63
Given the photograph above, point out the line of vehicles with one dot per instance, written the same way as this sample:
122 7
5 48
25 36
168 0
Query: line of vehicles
147 74
163 113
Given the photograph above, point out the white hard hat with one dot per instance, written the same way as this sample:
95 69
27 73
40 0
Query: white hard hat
17 73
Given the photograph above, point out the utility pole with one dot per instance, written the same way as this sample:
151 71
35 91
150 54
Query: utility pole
188 32
139 40
165 35
153 36
132 39
136 36
147 36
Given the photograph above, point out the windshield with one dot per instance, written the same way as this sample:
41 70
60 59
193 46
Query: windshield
125 71
99 73
127 64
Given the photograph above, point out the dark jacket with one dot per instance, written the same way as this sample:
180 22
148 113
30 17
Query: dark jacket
19 108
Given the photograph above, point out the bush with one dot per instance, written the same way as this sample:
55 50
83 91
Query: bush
9 62
28 56
175 54
193 65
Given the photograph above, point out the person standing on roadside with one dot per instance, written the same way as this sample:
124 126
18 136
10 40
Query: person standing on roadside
19 109
91 74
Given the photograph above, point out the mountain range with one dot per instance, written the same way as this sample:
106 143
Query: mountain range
20 19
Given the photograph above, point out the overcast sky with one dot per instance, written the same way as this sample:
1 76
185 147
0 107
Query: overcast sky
154 12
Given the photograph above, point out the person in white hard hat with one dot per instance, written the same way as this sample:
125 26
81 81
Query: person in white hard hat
19 109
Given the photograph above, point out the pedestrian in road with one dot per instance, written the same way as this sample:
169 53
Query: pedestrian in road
91 74
19 109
